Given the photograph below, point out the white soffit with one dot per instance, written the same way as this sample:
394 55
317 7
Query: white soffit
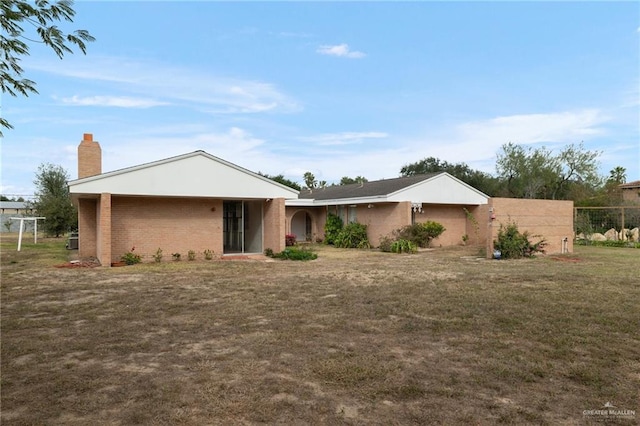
197 174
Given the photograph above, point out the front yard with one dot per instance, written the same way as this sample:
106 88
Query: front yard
354 337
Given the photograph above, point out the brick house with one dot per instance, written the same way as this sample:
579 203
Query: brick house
631 192
466 213
388 204
194 201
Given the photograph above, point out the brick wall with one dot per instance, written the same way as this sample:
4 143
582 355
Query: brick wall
176 225
452 217
87 228
550 219
274 225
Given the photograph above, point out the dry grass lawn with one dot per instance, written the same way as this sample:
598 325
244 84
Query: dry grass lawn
355 337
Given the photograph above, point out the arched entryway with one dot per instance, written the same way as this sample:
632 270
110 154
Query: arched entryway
301 226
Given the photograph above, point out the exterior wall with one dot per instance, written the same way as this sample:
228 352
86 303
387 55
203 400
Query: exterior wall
384 218
87 228
452 217
549 219
175 225
275 224
631 195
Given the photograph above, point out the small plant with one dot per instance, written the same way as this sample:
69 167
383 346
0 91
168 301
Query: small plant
208 254
353 235
465 239
421 234
191 255
131 258
512 244
176 256
158 255
403 246
7 225
292 253
290 240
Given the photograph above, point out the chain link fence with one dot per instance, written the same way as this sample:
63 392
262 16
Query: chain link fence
607 223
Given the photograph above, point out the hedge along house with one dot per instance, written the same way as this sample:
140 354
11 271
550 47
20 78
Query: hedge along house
389 204
194 201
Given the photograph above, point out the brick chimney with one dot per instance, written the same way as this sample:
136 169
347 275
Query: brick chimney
89 157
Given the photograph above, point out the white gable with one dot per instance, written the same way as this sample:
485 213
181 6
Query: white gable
440 189
197 174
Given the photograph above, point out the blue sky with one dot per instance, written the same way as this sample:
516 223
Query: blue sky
338 89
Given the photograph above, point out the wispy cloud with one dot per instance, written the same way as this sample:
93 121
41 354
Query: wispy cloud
341 50
169 84
112 101
344 138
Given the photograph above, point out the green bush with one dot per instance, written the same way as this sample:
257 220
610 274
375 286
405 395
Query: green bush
353 235
403 246
420 234
130 258
513 244
608 243
293 253
332 228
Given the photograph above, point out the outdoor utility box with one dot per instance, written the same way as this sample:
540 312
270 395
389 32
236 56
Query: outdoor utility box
73 241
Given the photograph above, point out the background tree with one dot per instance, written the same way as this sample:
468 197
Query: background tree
281 179
52 200
348 181
572 174
479 180
18 20
310 181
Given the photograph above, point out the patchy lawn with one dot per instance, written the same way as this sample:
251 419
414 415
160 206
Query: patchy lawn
355 337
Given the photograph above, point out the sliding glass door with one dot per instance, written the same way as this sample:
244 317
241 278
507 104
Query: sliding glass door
242 226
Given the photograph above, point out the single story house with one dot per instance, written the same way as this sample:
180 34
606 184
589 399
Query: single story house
389 204
194 201
198 202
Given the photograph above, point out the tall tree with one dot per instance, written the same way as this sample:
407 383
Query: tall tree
18 20
53 201
281 179
346 180
476 178
538 173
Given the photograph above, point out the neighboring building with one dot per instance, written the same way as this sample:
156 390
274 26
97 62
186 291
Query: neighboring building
631 192
193 202
9 209
389 204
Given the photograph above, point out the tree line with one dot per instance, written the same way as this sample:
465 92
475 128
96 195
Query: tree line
521 172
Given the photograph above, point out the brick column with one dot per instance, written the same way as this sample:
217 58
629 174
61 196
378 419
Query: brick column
87 227
274 225
104 230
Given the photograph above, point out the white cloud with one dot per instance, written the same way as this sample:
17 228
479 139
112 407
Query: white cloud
341 50
344 138
170 84
112 101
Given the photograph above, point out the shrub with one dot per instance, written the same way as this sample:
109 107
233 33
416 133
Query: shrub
420 234
191 255
403 246
130 258
290 240
208 254
332 228
158 256
353 235
385 243
293 253
513 244
176 256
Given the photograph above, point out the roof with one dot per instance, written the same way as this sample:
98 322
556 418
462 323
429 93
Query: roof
434 188
196 174
634 184
17 205
366 189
